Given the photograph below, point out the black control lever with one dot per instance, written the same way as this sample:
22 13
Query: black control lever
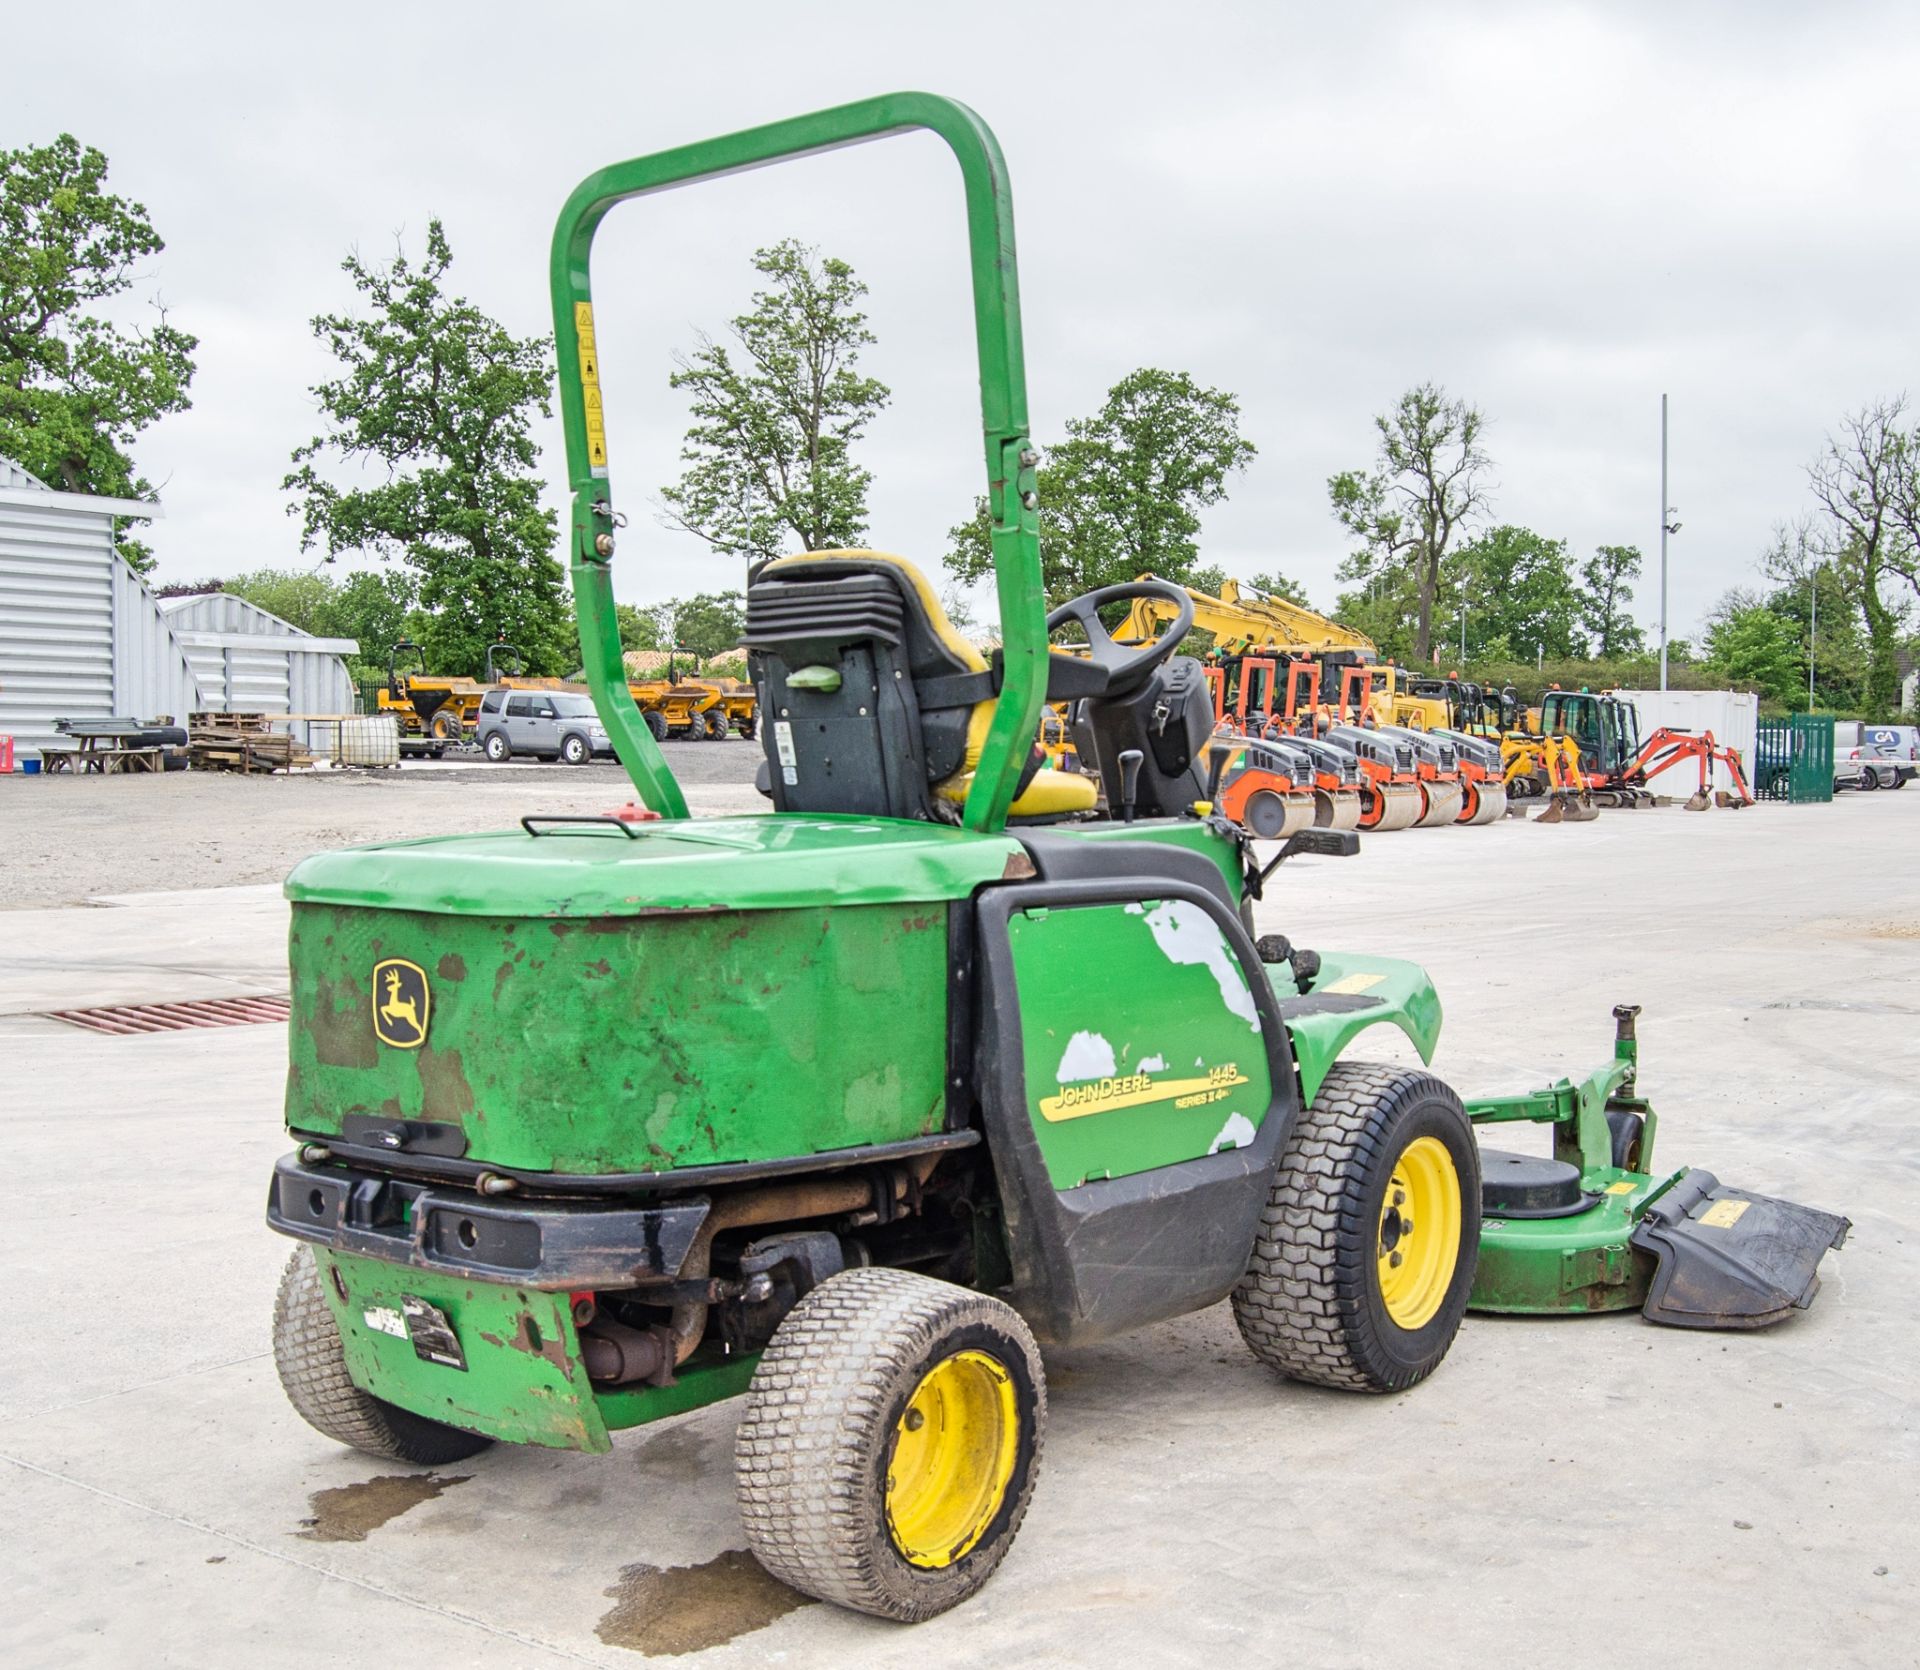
1131 759
1322 843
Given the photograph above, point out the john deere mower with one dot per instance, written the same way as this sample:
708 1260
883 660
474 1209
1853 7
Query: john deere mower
840 1108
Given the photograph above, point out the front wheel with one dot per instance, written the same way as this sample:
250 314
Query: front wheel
657 723
497 748
313 1373
890 1442
574 749
1869 780
1365 1254
717 724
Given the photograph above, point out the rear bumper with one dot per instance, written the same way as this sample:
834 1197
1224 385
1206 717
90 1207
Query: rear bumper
550 1246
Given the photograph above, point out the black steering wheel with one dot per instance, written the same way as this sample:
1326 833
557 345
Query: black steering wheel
1126 667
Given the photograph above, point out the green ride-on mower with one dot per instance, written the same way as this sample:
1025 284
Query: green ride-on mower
840 1108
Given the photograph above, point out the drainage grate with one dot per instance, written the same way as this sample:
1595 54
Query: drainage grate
176 1017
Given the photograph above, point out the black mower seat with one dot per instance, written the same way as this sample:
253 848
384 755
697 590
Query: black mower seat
1529 1186
875 703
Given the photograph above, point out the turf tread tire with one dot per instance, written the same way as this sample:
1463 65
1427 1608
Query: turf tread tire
1307 1304
811 1447
313 1373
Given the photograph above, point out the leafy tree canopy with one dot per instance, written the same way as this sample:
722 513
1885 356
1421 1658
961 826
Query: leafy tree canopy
75 388
768 462
1605 601
1122 494
1428 483
1751 645
709 624
432 418
1519 597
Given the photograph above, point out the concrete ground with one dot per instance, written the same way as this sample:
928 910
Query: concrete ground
1569 1492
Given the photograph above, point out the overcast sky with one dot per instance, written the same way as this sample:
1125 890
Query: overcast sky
1555 211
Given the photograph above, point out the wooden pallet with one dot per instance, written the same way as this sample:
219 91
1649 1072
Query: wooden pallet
245 751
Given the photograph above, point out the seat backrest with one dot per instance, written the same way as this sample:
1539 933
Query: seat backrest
866 689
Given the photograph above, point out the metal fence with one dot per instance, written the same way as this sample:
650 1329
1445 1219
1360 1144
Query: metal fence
1793 759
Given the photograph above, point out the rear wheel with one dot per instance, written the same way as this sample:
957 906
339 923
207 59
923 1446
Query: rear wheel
313 1373
497 748
890 1442
717 724
657 723
1365 1253
445 726
1869 779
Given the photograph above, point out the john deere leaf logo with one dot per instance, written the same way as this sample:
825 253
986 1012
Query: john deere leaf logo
401 1003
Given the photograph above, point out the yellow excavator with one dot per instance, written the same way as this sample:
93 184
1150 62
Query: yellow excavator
1537 763
1245 621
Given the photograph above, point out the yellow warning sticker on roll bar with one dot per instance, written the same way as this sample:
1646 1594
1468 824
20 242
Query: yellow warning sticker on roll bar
590 388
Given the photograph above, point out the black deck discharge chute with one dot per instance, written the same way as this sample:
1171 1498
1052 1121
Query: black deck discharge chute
1731 1259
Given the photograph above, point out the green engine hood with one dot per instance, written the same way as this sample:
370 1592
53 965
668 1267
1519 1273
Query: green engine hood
764 862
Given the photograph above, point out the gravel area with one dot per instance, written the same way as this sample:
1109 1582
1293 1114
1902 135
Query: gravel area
66 839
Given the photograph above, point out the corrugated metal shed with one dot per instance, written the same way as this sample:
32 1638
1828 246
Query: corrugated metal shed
80 635
250 661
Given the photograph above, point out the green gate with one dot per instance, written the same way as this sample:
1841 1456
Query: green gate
1793 758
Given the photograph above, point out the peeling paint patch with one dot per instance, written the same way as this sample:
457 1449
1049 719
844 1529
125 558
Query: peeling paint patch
1185 933
1088 1056
1157 1064
1236 1133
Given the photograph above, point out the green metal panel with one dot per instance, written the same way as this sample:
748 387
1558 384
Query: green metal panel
633 1043
524 1382
1401 995
1570 1265
744 863
1793 759
1010 459
1142 1044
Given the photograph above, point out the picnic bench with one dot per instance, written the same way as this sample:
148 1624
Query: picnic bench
105 746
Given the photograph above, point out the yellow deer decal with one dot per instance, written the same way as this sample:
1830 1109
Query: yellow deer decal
400 1017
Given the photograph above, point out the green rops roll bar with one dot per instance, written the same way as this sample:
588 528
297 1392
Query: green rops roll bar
1011 497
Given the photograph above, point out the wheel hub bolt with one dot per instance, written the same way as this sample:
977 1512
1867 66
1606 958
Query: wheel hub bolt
1394 1260
915 1420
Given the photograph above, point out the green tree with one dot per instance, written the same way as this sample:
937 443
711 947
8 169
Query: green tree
1799 569
1122 494
1519 597
1605 601
376 608
644 628
76 389
435 403
1427 483
709 624
1749 644
1858 481
768 461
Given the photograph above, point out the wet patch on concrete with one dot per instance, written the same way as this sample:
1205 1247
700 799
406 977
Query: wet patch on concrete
667 1611
678 1455
348 1512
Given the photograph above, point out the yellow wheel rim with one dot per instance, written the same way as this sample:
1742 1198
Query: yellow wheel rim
1419 1232
953 1453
